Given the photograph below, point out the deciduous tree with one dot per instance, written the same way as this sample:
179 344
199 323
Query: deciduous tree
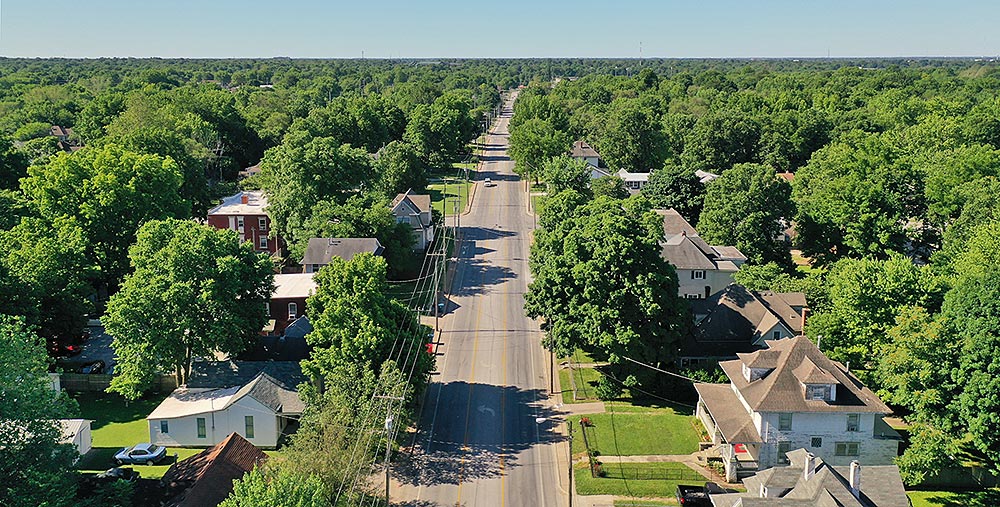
675 186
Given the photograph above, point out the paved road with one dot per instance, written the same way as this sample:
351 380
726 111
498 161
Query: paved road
479 442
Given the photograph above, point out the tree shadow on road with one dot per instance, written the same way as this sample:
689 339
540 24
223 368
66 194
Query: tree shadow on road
475 427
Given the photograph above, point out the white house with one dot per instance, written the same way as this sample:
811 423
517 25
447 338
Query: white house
582 151
415 209
738 320
808 480
76 432
702 269
791 396
633 181
259 411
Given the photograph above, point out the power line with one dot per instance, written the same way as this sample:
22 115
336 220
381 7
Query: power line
678 375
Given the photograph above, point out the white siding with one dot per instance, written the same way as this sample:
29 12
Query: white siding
831 428
715 279
183 431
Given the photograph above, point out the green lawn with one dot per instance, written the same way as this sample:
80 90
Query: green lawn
586 381
644 502
988 498
117 424
645 431
659 480
456 188
537 201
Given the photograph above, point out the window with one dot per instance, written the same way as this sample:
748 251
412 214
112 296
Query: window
783 447
853 422
239 223
784 422
402 219
817 392
201 427
248 422
164 427
698 275
776 335
692 296
293 311
263 242
262 223
816 442
847 448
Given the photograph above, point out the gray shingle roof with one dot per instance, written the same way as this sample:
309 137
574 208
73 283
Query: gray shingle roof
219 374
321 251
730 417
581 149
419 202
272 394
781 391
733 320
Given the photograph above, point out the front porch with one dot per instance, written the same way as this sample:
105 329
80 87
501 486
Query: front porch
734 436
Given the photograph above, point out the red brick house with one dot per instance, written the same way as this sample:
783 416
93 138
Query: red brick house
245 213
289 300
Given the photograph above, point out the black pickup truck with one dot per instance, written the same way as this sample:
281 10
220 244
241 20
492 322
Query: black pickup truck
697 496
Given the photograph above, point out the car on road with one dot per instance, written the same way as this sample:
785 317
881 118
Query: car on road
488 182
146 454
60 348
93 367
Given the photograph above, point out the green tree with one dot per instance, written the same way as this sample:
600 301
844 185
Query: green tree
632 139
533 143
609 186
277 486
953 176
676 187
601 284
398 169
302 172
13 164
865 296
565 173
777 278
721 139
110 192
195 291
746 207
35 469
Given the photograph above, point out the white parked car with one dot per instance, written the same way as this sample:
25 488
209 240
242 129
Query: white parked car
488 182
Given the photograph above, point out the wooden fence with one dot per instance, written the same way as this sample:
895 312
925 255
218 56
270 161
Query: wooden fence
83 383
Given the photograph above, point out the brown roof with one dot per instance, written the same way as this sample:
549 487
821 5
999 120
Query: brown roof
583 150
728 413
206 478
781 391
321 251
420 202
674 223
787 176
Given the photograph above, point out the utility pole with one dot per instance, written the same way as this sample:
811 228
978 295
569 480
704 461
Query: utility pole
552 371
569 424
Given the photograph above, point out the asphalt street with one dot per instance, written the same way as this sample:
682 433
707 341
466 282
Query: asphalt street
484 438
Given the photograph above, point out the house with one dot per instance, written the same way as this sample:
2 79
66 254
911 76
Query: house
633 181
288 302
249 171
738 320
61 133
598 173
321 251
810 481
291 345
702 269
220 400
786 396
415 209
206 479
246 213
76 432
582 151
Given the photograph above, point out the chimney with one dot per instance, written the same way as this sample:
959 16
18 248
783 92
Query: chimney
805 311
856 479
810 468
244 198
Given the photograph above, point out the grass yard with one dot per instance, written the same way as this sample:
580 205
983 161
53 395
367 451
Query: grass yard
456 188
988 498
660 480
641 432
117 424
537 202
644 502
586 381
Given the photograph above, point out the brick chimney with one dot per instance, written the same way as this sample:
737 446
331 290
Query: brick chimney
856 479
810 467
244 198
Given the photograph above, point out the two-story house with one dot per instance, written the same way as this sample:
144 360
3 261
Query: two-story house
738 320
321 251
415 209
583 151
288 302
246 213
633 181
702 269
791 396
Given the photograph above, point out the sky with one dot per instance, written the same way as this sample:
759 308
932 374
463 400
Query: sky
486 29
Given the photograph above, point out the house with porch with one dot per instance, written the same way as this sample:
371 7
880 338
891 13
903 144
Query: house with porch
702 269
415 210
788 396
738 320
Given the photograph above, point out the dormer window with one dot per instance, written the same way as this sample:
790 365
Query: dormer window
818 392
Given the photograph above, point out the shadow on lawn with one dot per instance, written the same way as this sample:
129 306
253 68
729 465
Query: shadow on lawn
989 498
106 408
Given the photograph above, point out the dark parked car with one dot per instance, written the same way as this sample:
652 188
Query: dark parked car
119 473
698 496
146 453
93 368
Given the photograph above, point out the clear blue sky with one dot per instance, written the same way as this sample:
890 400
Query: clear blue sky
517 28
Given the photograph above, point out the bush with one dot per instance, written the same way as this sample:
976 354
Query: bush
607 389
